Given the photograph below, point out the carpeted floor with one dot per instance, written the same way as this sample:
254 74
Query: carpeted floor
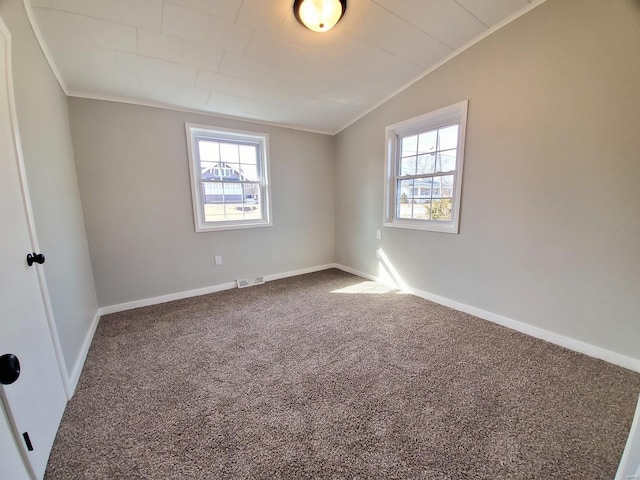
330 376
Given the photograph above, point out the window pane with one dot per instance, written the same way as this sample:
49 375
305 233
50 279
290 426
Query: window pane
441 209
209 151
251 201
409 145
214 212
427 142
232 192
405 189
248 154
234 211
251 193
405 210
408 166
424 186
211 192
422 209
210 188
252 212
213 201
447 182
209 159
404 201
442 186
448 138
249 173
446 161
426 164
229 153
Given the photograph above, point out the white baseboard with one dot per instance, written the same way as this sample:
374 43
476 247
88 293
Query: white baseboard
552 337
145 302
359 273
205 291
77 369
302 271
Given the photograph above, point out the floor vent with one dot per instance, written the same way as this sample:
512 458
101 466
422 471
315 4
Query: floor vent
249 282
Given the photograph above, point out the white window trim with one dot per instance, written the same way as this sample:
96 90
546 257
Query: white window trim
456 113
194 173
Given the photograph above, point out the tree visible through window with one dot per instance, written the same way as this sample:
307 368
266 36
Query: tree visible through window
424 170
229 178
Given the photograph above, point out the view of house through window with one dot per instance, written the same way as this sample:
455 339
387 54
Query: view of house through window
424 170
425 185
230 181
229 176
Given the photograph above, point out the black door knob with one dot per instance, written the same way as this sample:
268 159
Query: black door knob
35 258
9 369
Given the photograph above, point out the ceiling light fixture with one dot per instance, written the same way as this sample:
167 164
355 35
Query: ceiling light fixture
319 15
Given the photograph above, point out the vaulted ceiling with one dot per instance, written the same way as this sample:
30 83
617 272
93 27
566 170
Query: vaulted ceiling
251 58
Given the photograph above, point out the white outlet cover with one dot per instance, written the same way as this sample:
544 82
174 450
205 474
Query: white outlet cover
379 234
218 259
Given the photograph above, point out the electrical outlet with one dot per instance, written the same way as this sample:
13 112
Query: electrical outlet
378 253
379 234
218 259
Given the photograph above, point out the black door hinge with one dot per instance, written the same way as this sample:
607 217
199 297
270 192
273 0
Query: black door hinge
27 440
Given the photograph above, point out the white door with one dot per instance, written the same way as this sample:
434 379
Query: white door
34 403
11 464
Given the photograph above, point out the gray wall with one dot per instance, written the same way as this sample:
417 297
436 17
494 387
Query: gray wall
549 231
133 173
46 142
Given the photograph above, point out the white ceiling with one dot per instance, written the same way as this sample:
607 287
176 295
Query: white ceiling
251 58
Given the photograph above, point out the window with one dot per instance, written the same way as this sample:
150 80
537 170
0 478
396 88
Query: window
424 170
229 181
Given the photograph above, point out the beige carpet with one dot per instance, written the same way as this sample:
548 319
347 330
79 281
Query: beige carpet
326 376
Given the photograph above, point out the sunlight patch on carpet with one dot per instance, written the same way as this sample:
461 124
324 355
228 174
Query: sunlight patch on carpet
372 288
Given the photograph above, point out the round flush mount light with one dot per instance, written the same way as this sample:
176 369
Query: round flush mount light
319 15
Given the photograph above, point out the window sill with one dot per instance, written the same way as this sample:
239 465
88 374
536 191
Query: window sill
426 225
230 226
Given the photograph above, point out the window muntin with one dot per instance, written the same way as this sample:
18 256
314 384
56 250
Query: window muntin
424 170
423 182
229 179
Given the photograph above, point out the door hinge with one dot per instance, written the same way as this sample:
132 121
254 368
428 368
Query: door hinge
27 440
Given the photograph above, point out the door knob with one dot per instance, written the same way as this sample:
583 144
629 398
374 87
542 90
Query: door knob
9 369
35 258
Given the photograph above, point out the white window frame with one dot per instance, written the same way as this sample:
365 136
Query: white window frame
447 116
261 140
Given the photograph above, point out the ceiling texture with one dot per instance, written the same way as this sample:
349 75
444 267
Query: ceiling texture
251 59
